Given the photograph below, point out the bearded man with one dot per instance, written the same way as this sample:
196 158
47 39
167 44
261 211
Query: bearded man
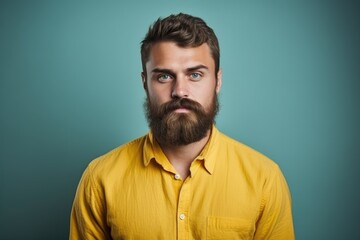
184 179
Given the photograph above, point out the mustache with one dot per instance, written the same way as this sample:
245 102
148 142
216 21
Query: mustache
181 103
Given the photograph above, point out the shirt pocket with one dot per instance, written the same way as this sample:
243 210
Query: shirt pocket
229 228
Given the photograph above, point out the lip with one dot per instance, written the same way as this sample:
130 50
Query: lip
181 110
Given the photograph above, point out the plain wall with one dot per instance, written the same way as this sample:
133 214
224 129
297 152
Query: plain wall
70 90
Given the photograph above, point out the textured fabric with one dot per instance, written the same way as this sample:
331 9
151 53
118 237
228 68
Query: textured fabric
133 192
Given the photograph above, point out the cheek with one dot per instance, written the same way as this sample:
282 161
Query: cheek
206 94
208 100
158 95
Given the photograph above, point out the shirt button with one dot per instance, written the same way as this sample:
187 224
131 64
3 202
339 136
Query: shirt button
182 216
177 176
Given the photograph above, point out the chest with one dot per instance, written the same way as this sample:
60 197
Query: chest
162 206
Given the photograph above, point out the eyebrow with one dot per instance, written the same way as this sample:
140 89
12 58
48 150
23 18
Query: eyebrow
168 71
163 70
197 67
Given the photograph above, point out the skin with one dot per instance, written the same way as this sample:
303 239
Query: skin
177 72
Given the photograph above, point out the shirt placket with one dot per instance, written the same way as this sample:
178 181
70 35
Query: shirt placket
183 210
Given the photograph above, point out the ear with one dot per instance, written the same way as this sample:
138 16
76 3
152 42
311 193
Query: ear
143 78
218 81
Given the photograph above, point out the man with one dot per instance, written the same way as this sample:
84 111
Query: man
184 179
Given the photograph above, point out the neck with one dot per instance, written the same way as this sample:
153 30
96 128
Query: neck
182 156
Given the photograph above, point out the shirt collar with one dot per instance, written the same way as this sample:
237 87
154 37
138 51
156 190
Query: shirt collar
153 151
149 151
209 152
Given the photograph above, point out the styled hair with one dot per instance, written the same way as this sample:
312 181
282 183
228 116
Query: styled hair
183 29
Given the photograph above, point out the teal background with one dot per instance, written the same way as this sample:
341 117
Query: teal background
71 90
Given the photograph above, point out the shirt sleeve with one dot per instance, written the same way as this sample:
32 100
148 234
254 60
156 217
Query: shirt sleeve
275 221
88 214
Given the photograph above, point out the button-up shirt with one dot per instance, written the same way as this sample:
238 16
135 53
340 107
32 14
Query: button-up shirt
133 192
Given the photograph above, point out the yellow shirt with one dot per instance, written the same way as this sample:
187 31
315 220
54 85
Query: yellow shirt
133 192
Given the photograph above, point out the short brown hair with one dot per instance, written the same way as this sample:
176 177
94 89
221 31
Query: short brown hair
183 29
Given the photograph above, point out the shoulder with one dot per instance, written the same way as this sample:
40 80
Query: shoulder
247 157
118 159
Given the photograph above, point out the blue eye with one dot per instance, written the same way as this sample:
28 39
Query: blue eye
164 77
195 76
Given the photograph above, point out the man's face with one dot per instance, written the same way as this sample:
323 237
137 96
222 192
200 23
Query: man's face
182 88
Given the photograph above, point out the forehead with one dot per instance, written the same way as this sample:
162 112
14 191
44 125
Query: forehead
170 55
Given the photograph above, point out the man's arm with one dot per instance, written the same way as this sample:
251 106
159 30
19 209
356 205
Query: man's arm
88 214
276 220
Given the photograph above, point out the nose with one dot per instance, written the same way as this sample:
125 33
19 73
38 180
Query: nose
180 89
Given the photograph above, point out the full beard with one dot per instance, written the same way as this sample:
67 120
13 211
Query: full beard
176 129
